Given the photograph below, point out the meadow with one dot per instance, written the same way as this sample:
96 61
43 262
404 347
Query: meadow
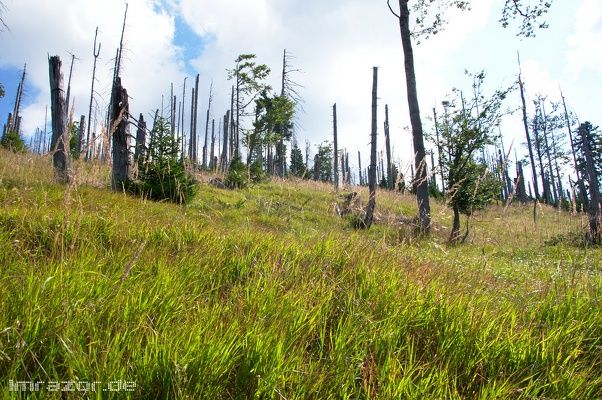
267 293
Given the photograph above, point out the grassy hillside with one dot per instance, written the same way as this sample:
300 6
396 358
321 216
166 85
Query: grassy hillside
267 293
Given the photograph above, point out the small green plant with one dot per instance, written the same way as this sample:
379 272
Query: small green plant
256 171
237 176
12 141
162 173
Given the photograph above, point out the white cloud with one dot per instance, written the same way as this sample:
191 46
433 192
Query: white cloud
585 43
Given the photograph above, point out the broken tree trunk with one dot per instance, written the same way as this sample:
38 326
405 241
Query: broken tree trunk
121 156
60 141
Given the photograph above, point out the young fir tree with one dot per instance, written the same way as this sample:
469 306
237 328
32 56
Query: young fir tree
162 173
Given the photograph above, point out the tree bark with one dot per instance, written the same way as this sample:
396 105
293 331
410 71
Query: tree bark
59 144
421 184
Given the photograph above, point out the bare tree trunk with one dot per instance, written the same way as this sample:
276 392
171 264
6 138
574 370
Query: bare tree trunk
194 117
183 112
212 160
192 138
390 179
80 134
372 170
121 155
579 178
139 151
526 124
224 161
69 87
359 160
336 148
89 145
421 184
60 142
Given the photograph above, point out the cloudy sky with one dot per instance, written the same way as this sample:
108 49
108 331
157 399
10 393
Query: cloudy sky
335 44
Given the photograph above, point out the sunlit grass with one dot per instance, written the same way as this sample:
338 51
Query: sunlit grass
267 293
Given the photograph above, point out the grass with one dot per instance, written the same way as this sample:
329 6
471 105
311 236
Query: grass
266 293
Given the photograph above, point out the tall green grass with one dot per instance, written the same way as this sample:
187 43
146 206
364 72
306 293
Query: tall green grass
266 293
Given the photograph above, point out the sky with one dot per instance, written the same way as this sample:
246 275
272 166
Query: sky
334 44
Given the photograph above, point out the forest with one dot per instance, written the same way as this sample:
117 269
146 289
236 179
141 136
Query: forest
167 257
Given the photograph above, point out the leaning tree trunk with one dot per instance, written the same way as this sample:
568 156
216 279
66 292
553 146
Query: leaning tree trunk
121 156
372 169
59 144
421 184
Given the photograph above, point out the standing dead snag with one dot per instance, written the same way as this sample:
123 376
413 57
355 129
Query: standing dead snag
336 148
60 141
121 155
372 169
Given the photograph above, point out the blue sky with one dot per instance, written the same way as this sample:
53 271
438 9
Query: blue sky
335 44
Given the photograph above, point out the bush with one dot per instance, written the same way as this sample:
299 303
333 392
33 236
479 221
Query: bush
162 173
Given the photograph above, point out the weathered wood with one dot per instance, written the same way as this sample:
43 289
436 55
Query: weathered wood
120 154
59 144
372 170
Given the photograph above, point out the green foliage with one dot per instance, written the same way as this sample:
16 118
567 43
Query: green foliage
468 127
162 173
73 140
297 166
256 171
2 92
593 136
322 168
13 141
237 176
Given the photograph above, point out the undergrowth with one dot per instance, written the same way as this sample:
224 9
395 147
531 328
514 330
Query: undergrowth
266 293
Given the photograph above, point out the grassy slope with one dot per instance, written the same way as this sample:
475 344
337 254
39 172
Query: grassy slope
266 293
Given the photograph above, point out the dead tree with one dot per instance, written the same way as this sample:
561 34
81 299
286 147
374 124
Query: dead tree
372 170
336 149
594 188
390 180
529 142
139 149
224 160
95 53
359 160
121 156
80 133
60 139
